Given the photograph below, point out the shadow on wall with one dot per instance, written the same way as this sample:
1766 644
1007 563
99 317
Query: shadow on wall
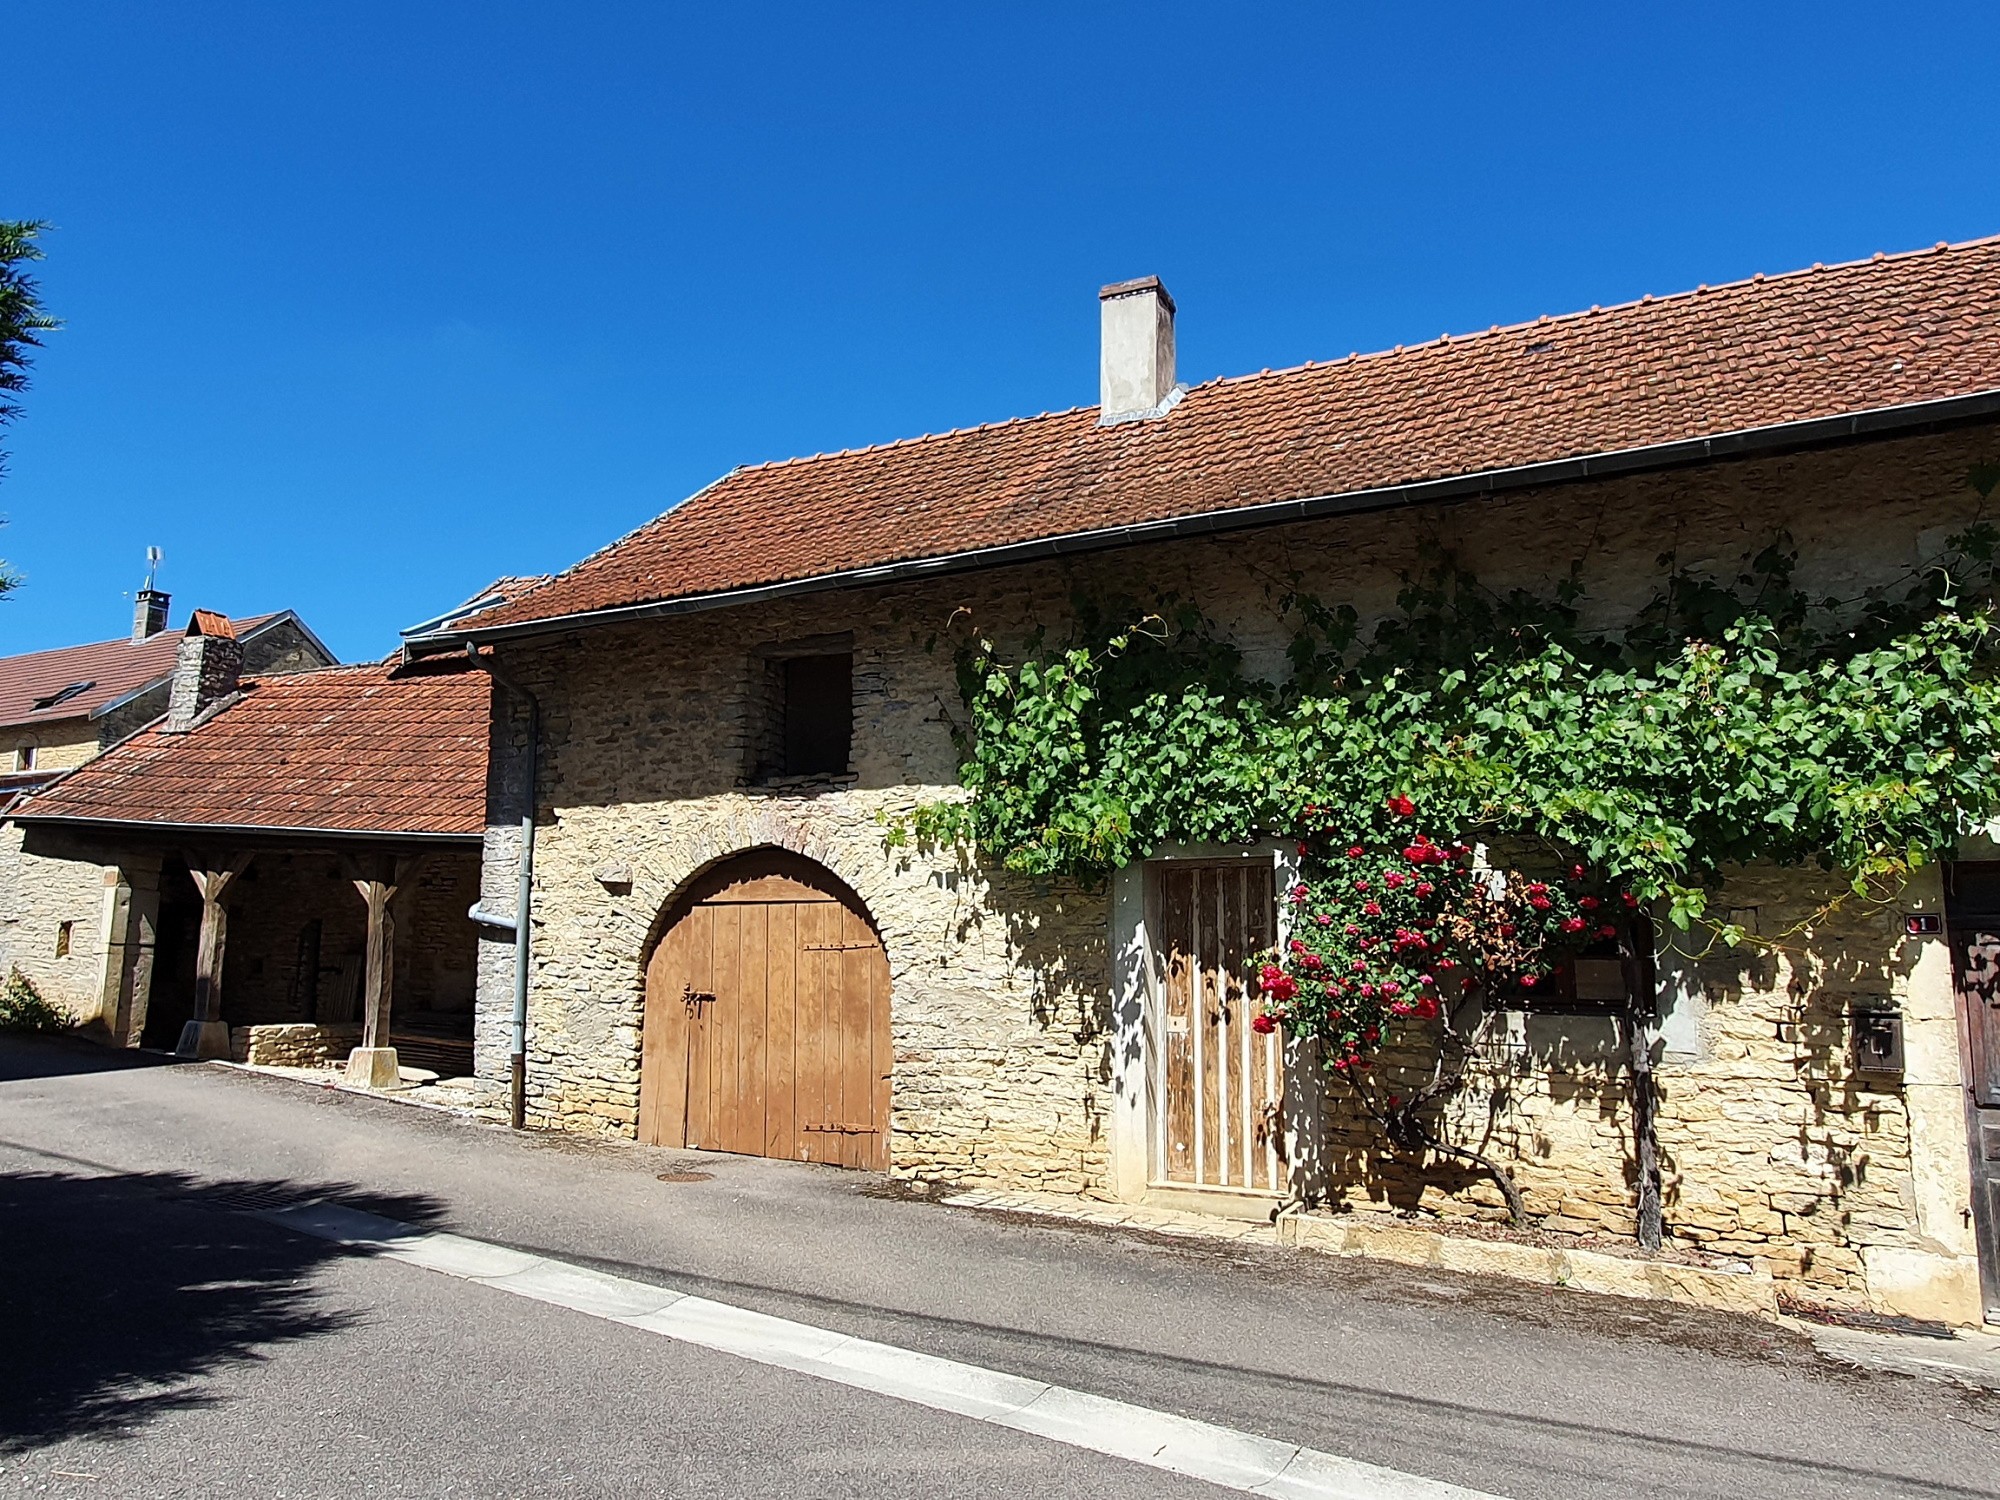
1058 936
120 1294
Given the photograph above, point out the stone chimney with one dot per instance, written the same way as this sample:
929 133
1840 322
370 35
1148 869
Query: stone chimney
1136 365
205 670
149 614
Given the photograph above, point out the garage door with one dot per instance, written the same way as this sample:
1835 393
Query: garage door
767 1019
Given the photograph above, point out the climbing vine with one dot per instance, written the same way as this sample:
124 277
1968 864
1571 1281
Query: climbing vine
1728 720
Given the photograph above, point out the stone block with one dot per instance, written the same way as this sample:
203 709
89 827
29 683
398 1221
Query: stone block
207 1040
373 1068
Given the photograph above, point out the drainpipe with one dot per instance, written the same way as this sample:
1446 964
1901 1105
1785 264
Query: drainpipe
517 1107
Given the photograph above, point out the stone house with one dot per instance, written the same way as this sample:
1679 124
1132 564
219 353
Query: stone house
702 732
293 861
61 708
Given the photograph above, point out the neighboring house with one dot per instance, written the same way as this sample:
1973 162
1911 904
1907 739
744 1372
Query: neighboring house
291 861
61 708
717 713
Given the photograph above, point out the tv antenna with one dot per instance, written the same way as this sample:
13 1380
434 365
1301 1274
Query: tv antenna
152 566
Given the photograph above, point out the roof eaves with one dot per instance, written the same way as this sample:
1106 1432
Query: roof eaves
260 830
1678 453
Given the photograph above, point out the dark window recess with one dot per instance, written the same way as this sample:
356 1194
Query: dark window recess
816 715
1591 983
63 930
304 997
63 695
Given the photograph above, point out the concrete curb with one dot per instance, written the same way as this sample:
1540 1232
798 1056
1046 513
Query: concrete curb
1749 1291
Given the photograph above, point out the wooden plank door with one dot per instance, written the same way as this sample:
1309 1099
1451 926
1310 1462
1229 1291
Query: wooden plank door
1218 1085
1973 918
767 1020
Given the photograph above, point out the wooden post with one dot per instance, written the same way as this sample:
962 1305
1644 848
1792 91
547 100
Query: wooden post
373 1064
379 968
207 1035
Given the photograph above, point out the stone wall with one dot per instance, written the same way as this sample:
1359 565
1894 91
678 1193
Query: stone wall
39 899
297 1045
1774 1148
1001 990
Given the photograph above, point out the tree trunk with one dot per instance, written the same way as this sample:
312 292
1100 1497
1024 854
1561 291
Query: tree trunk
1639 1050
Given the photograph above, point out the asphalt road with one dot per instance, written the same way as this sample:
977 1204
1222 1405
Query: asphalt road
157 1340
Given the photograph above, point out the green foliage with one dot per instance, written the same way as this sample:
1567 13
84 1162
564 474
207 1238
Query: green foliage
21 320
1387 937
22 1007
1733 720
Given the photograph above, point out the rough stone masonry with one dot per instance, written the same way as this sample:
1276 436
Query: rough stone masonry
1849 1191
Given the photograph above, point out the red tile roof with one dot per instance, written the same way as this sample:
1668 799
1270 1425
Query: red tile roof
371 749
112 668
1821 343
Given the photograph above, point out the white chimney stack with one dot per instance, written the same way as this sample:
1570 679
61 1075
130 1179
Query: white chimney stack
1136 367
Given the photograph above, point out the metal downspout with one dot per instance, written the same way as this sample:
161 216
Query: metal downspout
517 1105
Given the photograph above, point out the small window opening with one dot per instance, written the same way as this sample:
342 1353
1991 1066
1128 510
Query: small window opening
63 695
805 724
816 711
1592 982
62 938
24 756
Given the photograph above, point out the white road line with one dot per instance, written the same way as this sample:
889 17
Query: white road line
1160 1440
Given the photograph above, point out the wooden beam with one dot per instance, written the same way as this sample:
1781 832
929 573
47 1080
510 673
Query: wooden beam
379 966
207 1035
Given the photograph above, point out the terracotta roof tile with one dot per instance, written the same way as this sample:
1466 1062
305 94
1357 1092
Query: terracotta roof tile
368 749
112 668
1826 342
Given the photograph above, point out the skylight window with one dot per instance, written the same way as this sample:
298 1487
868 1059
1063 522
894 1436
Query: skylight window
64 695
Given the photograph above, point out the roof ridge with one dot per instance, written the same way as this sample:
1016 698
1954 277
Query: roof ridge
906 442
1542 320
1646 299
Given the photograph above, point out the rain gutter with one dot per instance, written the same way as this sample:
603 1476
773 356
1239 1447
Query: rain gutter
524 896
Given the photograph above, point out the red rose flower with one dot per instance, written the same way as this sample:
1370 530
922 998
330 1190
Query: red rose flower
1427 1008
1401 806
1540 903
1573 924
1355 851
1589 903
1263 1025
1372 909
1424 887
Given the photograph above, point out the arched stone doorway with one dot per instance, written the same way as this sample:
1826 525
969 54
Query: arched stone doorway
767 1018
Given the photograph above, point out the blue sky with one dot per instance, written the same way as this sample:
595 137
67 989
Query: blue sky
368 303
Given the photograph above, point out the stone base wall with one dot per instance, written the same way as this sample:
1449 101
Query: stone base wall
1774 1149
297 1045
38 896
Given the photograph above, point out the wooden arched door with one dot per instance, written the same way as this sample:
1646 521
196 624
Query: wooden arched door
767 1018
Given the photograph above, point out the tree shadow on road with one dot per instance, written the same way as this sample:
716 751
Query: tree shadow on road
121 1294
